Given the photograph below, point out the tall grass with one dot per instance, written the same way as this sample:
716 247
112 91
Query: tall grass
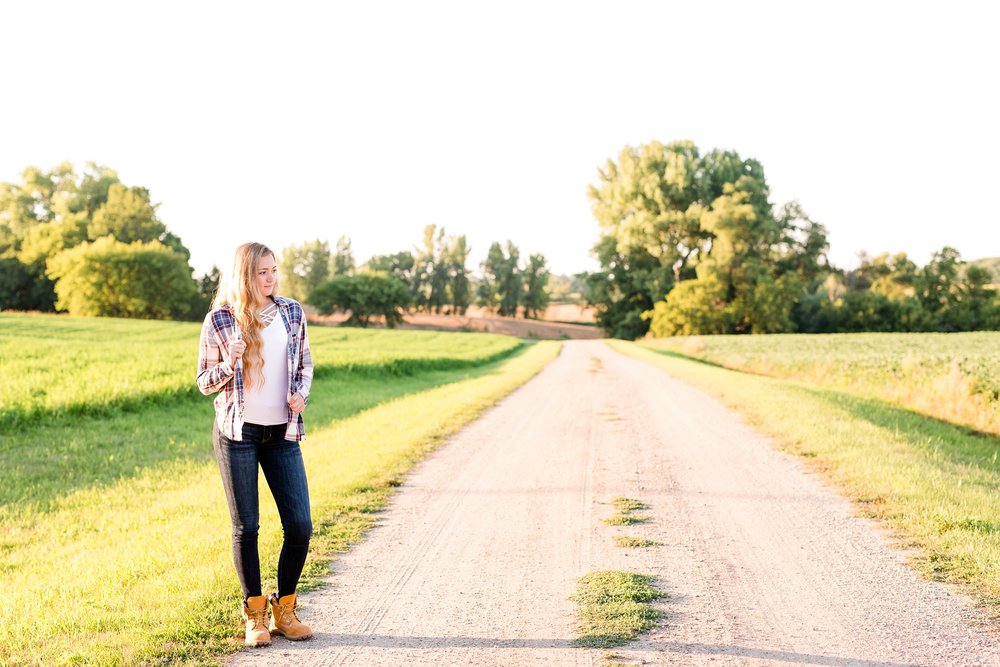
955 377
935 484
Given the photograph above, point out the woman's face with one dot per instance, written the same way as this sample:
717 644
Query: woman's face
267 275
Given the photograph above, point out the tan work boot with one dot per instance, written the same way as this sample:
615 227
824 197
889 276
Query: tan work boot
284 621
253 613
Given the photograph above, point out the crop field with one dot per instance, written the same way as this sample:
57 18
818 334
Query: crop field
954 377
107 465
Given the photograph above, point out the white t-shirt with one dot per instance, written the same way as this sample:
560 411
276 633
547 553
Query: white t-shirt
267 404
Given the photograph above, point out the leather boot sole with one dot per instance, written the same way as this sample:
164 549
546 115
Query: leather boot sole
291 639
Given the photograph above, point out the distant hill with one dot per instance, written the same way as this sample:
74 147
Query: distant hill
991 264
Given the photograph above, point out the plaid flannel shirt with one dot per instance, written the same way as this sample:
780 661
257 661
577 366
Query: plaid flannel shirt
216 372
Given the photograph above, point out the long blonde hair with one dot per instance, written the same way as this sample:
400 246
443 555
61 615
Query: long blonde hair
239 292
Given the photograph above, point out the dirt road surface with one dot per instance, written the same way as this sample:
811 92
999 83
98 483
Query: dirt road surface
476 559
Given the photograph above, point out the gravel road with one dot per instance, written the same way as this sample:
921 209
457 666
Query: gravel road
477 556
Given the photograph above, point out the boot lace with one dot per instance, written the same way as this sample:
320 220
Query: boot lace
288 613
257 616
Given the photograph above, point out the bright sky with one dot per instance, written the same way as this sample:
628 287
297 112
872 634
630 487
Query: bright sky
286 122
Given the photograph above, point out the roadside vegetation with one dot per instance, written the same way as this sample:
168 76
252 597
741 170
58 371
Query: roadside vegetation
934 483
114 532
954 377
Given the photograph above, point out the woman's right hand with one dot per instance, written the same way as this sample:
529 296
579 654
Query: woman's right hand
236 348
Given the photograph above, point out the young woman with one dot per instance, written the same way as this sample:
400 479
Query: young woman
255 353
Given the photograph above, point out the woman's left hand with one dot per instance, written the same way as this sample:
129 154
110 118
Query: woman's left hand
297 404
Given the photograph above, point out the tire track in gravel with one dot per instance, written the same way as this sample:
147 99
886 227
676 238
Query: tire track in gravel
476 558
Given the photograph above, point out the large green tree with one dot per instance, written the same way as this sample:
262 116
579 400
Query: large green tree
342 261
43 214
536 279
365 296
669 214
128 215
114 279
511 282
459 284
488 288
502 281
50 212
400 265
431 267
45 196
440 280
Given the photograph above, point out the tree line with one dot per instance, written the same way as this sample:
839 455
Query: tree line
432 278
91 245
691 243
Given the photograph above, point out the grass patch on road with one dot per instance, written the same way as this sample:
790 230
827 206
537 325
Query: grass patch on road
628 504
634 542
613 608
132 565
614 660
626 515
934 483
622 519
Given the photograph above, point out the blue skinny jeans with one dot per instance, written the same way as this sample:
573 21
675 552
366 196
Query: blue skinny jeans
281 461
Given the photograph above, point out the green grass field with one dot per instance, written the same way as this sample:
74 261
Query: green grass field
934 483
77 365
114 533
955 377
